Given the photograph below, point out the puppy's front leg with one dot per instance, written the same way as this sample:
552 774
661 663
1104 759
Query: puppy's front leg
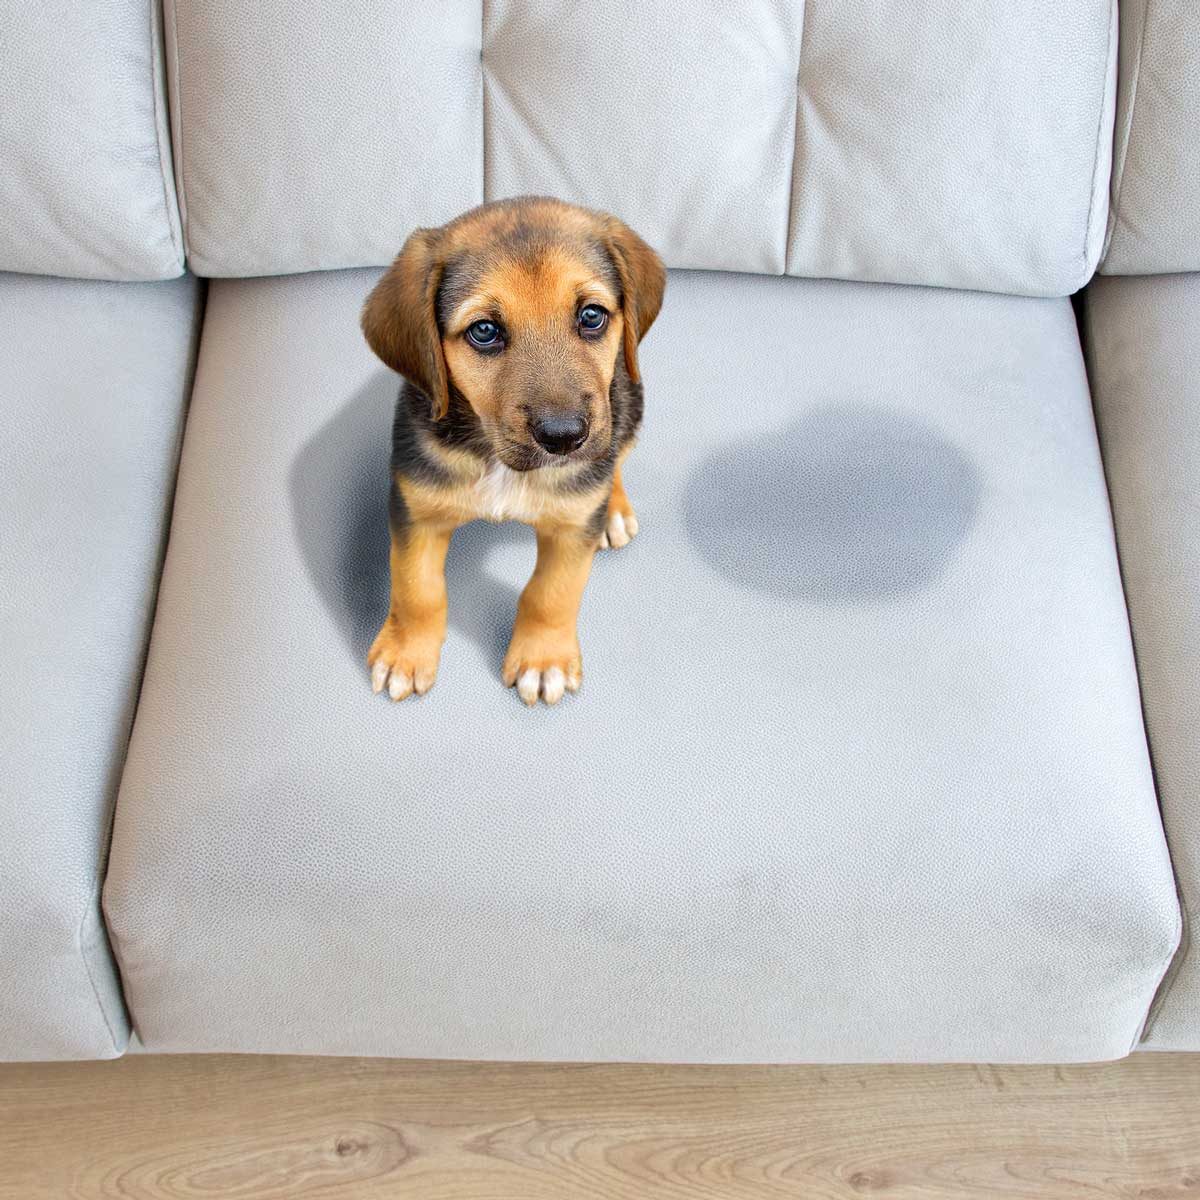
620 522
404 658
543 657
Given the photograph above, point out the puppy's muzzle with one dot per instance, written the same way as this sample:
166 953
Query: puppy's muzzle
559 432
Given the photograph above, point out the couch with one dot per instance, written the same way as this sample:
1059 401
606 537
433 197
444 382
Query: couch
887 750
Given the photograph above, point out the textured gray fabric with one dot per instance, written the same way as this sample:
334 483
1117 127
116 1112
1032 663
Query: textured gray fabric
1154 222
871 139
1144 356
311 136
85 158
857 771
679 117
967 146
91 403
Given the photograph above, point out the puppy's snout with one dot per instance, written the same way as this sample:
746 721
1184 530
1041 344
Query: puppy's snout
559 433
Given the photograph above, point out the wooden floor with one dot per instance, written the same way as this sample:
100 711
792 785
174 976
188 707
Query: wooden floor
294 1128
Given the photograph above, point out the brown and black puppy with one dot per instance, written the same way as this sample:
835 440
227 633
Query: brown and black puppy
517 328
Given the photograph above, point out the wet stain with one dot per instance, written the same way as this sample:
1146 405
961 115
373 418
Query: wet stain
847 505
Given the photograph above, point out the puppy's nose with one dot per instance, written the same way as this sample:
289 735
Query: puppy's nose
559 433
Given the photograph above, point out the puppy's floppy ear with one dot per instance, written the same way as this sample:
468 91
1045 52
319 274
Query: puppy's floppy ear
399 317
643 280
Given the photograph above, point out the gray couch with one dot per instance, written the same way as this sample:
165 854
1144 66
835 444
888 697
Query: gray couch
865 767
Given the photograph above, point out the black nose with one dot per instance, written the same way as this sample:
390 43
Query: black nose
559 433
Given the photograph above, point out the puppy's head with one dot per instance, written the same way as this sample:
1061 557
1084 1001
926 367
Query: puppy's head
527 308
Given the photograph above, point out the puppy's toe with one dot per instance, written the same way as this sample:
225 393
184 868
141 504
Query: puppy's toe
541 670
617 535
548 685
403 661
620 528
554 681
379 676
400 684
529 684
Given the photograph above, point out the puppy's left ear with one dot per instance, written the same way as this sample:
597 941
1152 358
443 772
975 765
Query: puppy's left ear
399 318
643 280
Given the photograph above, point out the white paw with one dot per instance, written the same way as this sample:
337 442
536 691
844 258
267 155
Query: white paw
620 530
548 685
402 664
542 672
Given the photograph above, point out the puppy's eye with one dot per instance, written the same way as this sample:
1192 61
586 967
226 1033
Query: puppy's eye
485 335
592 318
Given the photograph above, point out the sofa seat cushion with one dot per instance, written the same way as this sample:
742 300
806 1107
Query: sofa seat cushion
94 384
857 772
1145 361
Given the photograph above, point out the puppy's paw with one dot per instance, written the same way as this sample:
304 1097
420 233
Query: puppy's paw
542 665
404 660
620 526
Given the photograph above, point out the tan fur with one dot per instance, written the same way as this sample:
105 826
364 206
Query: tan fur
544 636
398 318
539 299
404 656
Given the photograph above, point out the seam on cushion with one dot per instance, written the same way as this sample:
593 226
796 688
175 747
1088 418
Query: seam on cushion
1108 51
1182 933
157 76
1166 980
1181 939
95 891
101 876
92 906
483 124
176 116
792 189
1118 180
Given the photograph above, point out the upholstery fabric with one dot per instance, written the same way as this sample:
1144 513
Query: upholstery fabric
884 140
1154 221
85 159
317 135
679 118
91 409
858 770
1145 362
965 145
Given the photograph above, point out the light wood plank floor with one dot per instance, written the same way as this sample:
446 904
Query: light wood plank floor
149 1128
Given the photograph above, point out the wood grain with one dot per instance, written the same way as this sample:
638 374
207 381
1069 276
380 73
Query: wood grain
160 1128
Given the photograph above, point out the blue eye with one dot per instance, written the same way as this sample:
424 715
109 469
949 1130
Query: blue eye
483 334
592 318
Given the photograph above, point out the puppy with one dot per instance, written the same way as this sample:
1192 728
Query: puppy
516 327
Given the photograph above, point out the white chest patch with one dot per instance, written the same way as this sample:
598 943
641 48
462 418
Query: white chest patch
507 495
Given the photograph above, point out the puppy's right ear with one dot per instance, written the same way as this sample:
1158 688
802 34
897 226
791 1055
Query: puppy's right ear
399 318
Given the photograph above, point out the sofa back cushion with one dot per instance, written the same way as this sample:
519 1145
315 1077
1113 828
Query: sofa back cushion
1154 222
86 187
901 140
